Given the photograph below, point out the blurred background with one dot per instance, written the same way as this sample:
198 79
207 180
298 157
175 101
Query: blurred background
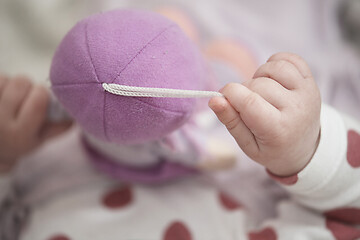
236 36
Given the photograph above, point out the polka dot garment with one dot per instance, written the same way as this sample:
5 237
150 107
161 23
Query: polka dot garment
191 209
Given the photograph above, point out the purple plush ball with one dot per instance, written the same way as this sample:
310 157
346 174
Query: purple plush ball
128 47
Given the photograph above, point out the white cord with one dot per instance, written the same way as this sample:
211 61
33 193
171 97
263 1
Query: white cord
131 91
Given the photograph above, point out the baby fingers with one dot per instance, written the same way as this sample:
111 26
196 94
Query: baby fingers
233 122
283 72
296 60
13 95
272 91
32 114
261 117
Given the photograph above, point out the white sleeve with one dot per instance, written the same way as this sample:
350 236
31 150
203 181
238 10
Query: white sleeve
332 178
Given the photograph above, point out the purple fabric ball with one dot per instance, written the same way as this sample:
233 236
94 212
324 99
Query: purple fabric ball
128 47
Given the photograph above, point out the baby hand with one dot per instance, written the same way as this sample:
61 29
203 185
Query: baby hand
274 117
23 125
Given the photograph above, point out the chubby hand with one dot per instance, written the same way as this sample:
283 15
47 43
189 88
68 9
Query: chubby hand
23 124
274 117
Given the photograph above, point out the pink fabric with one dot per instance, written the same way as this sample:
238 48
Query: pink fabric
159 173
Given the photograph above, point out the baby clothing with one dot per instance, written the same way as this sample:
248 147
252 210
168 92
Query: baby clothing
69 199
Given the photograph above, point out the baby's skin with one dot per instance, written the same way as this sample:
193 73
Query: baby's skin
23 119
275 116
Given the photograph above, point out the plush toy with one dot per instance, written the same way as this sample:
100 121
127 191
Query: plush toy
132 48
128 47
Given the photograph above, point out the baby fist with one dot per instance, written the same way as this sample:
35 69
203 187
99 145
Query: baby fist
274 117
23 119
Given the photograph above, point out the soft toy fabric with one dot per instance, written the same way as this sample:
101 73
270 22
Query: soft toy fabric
128 47
133 48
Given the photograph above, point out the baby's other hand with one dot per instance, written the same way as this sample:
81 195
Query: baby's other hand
274 117
23 125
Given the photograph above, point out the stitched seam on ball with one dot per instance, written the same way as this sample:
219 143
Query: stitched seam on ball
96 75
88 50
142 49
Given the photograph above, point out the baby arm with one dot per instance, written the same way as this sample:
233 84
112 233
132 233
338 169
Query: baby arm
328 187
275 118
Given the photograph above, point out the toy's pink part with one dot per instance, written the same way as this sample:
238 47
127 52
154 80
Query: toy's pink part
159 173
128 47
